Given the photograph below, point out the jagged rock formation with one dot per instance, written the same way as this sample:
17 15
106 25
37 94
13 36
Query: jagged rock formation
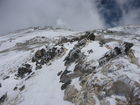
25 69
100 67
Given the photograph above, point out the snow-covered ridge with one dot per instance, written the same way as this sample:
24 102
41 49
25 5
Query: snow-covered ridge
63 67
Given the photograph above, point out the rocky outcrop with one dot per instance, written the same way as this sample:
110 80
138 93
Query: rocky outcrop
44 56
25 69
128 88
79 97
88 35
70 94
122 49
94 90
3 98
73 56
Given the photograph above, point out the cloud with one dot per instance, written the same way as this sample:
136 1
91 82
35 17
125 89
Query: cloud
74 14
130 10
132 17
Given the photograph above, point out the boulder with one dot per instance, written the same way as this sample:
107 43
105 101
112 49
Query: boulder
127 46
3 98
73 55
64 86
25 69
90 36
70 93
40 53
59 73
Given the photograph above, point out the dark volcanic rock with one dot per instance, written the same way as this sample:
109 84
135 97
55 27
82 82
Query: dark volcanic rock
73 55
64 86
43 56
59 73
40 53
3 98
34 59
22 88
6 77
38 66
15 88
25 69
90 51
63 40
64 78
90 36
117 50
81 43
84 67
127 46
122 49
74 39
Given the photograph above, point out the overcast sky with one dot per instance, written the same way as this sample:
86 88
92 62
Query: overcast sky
73 14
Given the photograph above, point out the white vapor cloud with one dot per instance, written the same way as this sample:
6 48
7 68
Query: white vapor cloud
132 17
129 16
74 14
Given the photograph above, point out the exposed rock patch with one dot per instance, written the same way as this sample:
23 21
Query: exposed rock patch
44 56
6 77
25 69
3 98
122 49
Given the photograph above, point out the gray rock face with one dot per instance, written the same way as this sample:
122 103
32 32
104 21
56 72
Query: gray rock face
70 93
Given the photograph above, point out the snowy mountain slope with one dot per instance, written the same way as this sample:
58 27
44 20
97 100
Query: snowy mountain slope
17 46
63 67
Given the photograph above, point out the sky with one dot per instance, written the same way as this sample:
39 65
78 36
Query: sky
72 14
